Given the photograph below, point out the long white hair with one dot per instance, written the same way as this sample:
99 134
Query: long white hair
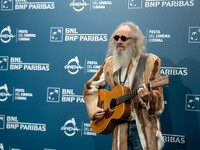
140 45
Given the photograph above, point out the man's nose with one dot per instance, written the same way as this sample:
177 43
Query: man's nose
119 41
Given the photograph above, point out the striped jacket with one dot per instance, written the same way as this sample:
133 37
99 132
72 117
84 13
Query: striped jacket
147 115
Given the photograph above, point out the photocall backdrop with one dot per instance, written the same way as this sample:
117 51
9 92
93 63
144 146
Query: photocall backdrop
49 49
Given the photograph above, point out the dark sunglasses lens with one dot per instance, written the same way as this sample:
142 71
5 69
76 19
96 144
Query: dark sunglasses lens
123 38
116 37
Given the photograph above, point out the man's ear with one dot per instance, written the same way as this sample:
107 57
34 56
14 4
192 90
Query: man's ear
134 42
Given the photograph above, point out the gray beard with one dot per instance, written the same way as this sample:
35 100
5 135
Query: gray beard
122 59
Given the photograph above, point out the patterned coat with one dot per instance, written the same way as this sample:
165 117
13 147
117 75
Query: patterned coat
146 114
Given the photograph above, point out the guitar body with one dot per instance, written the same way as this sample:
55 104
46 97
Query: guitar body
117 105
113 115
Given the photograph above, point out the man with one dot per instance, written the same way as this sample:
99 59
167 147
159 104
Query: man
142 130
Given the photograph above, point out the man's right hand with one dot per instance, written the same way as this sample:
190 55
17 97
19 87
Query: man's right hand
99 115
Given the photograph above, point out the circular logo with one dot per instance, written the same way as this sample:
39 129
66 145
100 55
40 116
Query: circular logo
6 35
73 66
78 6
70 127
4 93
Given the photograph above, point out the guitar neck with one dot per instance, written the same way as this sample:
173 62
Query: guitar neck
129 95
155 83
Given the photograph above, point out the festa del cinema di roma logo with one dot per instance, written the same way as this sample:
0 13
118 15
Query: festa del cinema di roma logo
70 127
4 94
6 35
73 66
22 35
78 5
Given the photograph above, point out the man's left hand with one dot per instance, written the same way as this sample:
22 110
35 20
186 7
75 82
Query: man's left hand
144 92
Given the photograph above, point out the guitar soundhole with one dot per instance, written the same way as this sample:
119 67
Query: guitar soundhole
112 104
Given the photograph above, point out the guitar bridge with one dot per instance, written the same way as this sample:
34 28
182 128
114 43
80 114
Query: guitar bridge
108 113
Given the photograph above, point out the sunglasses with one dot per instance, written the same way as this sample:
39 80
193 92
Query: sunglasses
123 38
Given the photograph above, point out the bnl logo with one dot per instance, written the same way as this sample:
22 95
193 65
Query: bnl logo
6 5
3 63
192 102
2 121
53 94
56 34
134 4
194 35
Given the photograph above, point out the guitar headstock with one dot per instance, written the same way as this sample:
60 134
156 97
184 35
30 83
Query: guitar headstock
160 81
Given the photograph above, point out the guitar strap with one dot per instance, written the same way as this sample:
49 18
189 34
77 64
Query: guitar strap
139 71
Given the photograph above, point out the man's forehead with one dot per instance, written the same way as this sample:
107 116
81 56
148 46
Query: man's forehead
124 30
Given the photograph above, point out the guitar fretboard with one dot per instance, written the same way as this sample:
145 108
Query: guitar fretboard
129 95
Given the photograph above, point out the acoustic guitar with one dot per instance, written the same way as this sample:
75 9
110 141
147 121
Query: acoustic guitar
117 105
